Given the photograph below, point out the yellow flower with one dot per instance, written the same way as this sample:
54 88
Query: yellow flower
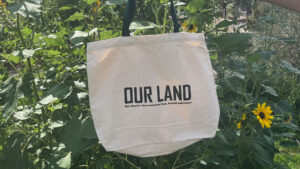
263 115
239 125
98 3
289 120
3 4
189 27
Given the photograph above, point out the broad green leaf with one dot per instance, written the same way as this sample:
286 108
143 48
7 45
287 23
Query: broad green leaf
233 42
72 138
95 30
90 1
195 5
270 90
52 52
78 37
290 67
76 16
26 8
56 124
59 91
54 41
79 84
109 34
214 57
27 53
225 23
67 7
88 130
142 25
115 2
65 162
23 115
9 94
262 149
81 96
253 58
14 57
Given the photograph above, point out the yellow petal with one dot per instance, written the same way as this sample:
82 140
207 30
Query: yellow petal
258 106
263 106
255 112
262 124
244 116
267 125
184 24
239 125
268 121
269 117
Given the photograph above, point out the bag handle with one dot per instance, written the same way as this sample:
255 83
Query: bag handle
129 13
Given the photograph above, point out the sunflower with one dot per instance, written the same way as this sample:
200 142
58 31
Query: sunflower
3 3
239 125
189 27
263 115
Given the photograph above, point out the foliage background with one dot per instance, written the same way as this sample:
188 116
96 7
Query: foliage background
45 119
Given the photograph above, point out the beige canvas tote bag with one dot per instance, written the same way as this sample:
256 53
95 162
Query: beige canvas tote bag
152 95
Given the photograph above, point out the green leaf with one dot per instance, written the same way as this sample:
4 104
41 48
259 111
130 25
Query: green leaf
233 42
109 34
253 58
214 57
14 56
269 90
72 137
56 124
27 53
76 16
90 1
67 7
195 5
142 25
225 23
26 9
290 67
65 162
115 2
23 115
262 149
54 41
78 37
88 130
59 91
9 94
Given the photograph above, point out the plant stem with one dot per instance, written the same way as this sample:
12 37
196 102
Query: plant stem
29 65
165 17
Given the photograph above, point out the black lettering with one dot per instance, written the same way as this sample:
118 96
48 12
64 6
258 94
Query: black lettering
126 90
147 94
187 90
177 93
168 93
136 93
158 95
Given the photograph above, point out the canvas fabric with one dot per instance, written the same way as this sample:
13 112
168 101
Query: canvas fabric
152 95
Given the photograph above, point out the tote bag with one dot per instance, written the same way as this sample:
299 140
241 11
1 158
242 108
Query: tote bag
151 95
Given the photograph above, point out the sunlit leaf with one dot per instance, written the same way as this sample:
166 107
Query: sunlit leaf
76 16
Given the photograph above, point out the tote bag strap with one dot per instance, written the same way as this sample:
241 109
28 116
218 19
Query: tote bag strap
129 13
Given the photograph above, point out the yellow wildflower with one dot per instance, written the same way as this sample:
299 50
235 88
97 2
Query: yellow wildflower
263 115
239 125
189 27
3 3
289 120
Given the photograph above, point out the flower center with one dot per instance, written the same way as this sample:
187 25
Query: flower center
191 27
261 115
